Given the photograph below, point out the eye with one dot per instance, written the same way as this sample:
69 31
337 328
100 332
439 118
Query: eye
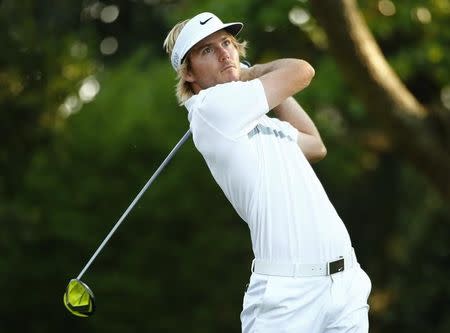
226 42
207 50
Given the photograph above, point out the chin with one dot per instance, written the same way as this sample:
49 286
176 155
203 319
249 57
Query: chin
233 76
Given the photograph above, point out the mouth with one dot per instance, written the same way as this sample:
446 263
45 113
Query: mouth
228 67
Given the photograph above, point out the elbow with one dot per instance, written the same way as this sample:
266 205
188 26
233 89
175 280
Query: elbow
310 72
323 152
319 154
306 73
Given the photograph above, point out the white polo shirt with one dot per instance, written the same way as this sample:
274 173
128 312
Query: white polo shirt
259 166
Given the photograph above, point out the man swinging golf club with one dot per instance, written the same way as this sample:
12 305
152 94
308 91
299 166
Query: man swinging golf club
305 276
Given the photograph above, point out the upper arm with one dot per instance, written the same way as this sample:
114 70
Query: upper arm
286 81
233 108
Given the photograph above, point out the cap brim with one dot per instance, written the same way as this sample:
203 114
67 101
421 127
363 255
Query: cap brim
233 28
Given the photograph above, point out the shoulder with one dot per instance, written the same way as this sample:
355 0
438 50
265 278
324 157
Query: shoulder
229 108
234 95
226 95
234 87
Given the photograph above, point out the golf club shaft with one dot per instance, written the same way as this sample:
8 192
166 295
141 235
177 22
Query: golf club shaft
130 207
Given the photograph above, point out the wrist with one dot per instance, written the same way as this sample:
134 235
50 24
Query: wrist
246 71
244 74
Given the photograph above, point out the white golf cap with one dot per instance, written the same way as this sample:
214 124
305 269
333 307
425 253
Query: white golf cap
197 28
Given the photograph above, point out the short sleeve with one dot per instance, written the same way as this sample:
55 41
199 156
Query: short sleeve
233 108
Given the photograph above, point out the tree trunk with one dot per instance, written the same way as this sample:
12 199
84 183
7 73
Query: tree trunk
402 117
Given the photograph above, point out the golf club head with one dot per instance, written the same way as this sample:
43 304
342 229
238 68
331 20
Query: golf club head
79 299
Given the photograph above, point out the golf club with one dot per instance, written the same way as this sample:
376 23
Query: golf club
78 297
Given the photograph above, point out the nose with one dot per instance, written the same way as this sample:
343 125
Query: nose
223 53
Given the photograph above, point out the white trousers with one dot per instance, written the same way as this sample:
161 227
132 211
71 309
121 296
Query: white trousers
325 304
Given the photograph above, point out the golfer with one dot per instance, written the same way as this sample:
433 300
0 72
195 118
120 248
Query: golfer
305 276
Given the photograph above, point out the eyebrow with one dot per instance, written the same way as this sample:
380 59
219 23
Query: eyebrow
201 46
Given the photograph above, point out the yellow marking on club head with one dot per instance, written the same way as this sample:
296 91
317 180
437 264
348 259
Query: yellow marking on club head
79 299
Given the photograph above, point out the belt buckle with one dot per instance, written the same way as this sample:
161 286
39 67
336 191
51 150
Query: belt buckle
336 266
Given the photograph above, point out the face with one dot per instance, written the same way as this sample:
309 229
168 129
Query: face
213 60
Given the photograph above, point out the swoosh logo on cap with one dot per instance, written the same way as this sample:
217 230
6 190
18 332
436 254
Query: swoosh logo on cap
204 22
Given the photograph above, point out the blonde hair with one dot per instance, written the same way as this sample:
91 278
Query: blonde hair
183 88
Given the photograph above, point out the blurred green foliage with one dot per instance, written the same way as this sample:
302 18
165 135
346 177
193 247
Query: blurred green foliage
69 168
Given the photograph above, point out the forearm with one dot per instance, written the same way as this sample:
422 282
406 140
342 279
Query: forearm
292 112
309 139
289 110
259 70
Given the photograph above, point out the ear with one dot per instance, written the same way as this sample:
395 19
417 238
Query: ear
188 76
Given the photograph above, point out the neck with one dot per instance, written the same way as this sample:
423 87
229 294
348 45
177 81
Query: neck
195 88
